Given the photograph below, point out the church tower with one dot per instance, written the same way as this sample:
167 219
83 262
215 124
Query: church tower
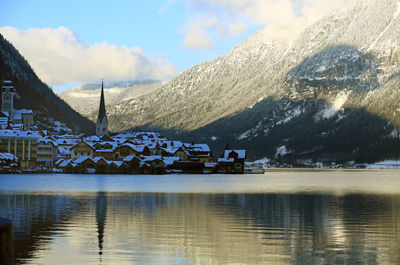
7 98
102 123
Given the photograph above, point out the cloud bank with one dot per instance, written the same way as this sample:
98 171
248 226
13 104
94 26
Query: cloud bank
59 57
284 20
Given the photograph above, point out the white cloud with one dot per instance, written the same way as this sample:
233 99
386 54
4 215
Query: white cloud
196 34
284 20
58 57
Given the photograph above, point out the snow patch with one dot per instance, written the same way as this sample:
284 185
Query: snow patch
336 105
244 135
282 151
290 115
386 164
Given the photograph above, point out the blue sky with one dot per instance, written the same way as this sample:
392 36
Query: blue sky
63 40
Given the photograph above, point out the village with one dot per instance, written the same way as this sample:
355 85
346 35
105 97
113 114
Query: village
25 148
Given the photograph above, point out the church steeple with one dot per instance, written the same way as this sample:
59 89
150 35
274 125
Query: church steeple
102 122
102 108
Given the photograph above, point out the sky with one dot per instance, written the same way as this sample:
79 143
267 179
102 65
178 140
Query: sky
74 42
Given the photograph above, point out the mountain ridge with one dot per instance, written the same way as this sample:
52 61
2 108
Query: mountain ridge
36 94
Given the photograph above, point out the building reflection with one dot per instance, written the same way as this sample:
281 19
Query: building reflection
205 228
101 214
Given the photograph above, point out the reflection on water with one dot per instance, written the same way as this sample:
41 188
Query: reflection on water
147 228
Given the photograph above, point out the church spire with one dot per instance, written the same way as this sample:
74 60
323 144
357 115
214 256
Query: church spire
102 122
102 108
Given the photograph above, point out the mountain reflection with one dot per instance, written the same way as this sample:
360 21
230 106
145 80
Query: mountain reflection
149 228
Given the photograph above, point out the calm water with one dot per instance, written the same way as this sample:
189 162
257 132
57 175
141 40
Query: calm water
277 218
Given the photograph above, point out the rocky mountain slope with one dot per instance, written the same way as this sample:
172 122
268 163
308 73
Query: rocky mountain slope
334 92
114 93
34 93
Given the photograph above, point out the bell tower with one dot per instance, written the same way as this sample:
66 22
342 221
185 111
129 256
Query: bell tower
7 98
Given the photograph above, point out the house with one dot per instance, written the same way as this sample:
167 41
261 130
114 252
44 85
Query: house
22 144
199 152
47 152
232 161
156 164
85 165
82 148
127 149
24 117
225 165
133 163
181 153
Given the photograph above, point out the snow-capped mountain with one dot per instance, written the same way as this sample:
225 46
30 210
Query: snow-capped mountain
85 98
335 90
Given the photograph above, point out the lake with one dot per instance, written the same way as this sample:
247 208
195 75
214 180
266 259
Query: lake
283 217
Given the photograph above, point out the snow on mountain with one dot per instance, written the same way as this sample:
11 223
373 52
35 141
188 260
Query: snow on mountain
85 98
342 71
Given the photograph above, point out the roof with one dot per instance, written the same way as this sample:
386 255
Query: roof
98 158
65 163
151 158
169 160
17 114
7 156
81 159
230 160
11 134
47 141
67 141
130 158
82 141
104 150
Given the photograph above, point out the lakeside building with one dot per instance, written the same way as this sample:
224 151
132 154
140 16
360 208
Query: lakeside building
232 161
22 144
47 152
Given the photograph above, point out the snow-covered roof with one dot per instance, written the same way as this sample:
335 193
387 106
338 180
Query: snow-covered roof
65 163
23 111
230 160
47 141
130 158
117 163
98 158
7 156
17 114
10 134
92 138
104 150
81 159
66 141
169 160
151 158
83 141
